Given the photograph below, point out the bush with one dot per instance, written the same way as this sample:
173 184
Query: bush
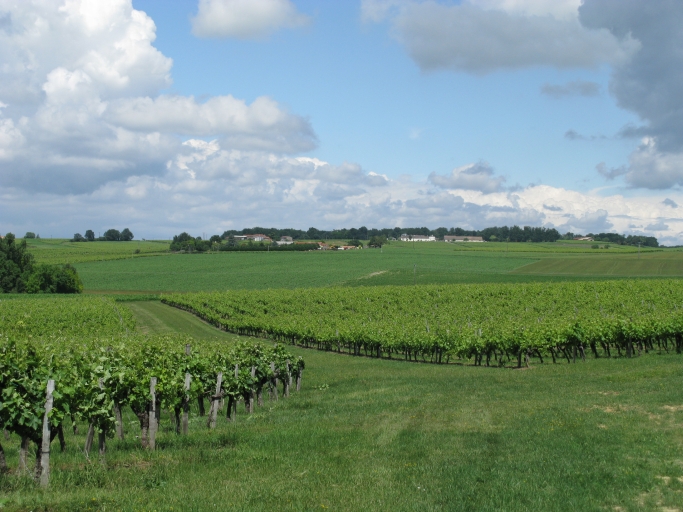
595 246
54 279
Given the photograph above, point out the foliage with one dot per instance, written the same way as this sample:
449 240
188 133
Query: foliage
54 279
16 264
377 241
465 322
90 235
30 234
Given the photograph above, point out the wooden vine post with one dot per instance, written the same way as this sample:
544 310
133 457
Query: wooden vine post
287 380
153 424
119 421
102 438
186 404
299 375
213 411
274 383
45 444
251 392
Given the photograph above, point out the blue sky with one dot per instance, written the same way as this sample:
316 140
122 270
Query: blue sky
204 115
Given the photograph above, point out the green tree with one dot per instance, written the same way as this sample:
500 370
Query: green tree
90 235
377 241
30 234
15 264
126 235
54 279
112 235
79 238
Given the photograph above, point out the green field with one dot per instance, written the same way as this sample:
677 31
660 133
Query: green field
257 270
389 435
53 251
396 264
375 434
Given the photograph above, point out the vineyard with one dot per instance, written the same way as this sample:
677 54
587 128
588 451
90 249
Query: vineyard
52 379
491 324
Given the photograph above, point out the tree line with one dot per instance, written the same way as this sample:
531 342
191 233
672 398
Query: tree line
19 273
490 234
111 235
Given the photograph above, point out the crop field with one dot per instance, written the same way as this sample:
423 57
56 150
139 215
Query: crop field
390 435
258 270
368 432
53 251
396 264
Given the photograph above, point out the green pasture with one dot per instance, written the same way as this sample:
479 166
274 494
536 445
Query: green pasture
395 264
259 270
367 434
53 251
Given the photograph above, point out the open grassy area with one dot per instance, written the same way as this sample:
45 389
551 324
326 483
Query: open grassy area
259 270
48 250
365 434
396 264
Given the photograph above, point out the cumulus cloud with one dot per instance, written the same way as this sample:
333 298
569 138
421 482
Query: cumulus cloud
576 88
481 37
80 103
649 83
552 208
477 176
245 19
658 226
670 202
649 167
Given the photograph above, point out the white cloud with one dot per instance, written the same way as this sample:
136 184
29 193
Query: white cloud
245 19
79 88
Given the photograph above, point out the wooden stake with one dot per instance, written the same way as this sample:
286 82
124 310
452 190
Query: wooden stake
213 412
186 403
88 439
45 444
119 420
251 393
153 424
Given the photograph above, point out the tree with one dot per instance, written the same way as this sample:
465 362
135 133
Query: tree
355 243
377 241
90 235
15 264
126 235
215 239
30 234
79 238
112 235
54 279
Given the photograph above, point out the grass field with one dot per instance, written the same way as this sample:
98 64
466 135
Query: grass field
53 251
373 435
396 264
258 270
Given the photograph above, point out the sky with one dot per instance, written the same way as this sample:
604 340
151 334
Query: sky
207 115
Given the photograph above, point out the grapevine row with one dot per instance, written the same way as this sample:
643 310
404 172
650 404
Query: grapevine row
95 379
483 323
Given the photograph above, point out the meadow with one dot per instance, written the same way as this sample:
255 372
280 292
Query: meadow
399 263
59 251
379 434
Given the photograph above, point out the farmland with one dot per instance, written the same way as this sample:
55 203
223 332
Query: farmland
378 434
396 264
53 251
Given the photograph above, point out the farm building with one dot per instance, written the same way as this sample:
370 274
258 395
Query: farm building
285 240
449 238
417 238
584 238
